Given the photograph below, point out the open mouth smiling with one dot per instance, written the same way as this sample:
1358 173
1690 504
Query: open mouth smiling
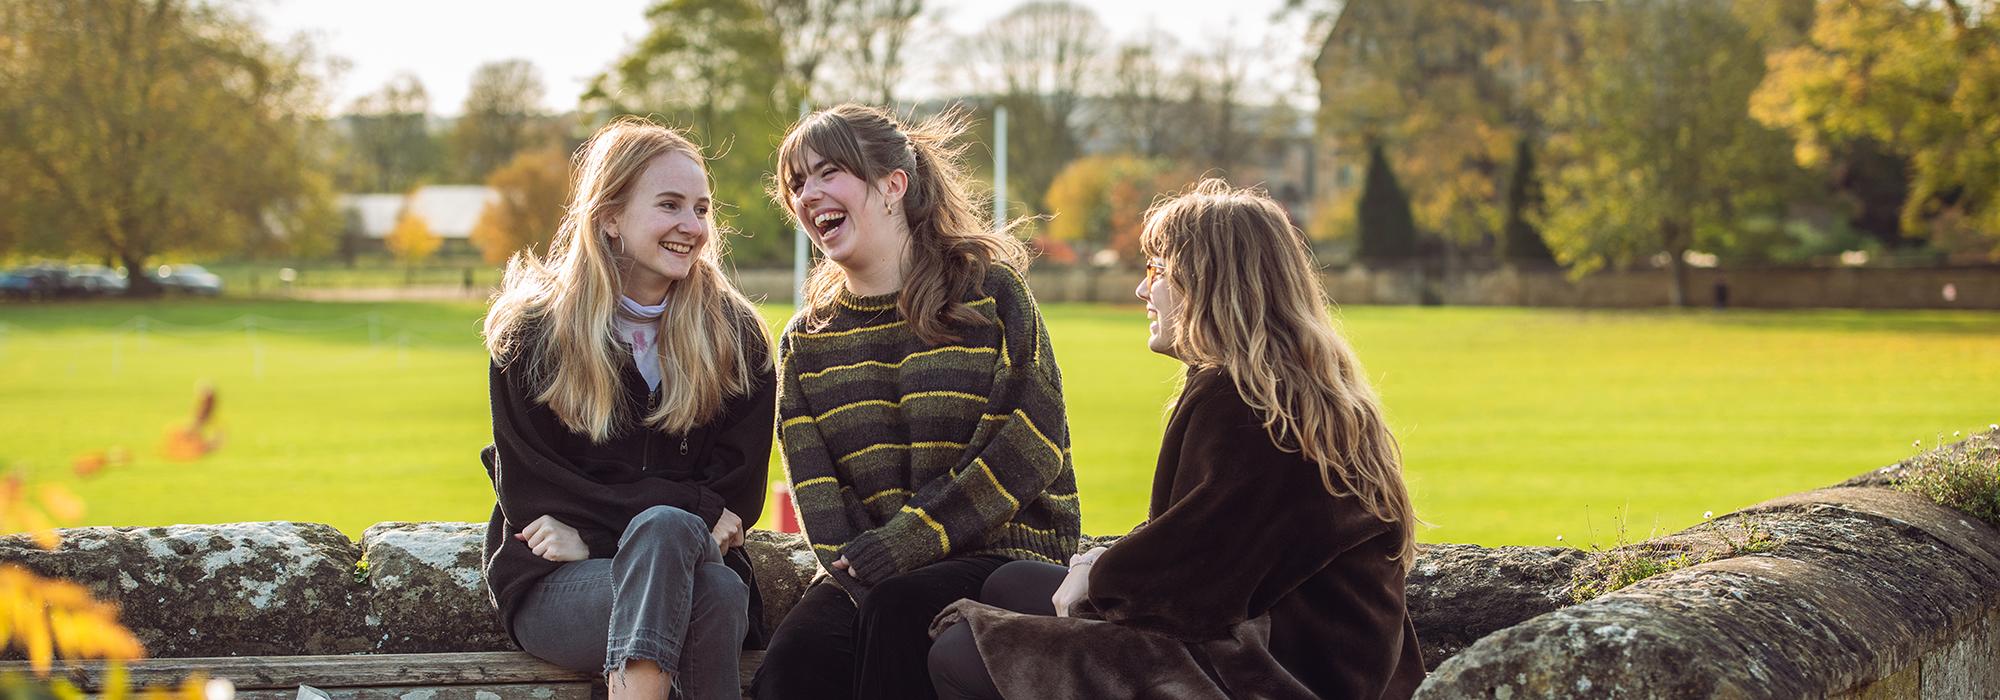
827 221
681 248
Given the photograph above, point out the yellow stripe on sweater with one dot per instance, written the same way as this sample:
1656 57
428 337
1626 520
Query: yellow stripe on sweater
1030 422
814 482
899 446
995 478
896 364
864 329
852 331
884 493
859 307
944 540
898 403
1032 530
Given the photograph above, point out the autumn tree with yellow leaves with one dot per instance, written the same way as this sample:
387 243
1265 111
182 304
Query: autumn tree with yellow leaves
533 189
130 129
412 241
1101 201
1921 78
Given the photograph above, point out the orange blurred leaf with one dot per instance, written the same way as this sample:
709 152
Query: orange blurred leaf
88 463
61 504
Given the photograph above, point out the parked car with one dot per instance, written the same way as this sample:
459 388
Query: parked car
95 280
34 282
188 279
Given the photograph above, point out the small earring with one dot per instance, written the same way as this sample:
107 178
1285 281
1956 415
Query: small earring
888 209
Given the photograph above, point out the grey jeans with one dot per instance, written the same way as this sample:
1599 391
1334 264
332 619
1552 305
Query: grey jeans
665 597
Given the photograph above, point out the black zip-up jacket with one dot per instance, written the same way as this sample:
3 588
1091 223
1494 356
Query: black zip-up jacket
539 467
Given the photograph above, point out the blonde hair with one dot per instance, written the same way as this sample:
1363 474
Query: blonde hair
951 243
1252 304
561 305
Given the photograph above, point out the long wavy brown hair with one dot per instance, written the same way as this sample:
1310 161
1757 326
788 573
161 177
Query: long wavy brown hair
568 298
1252 304
951 242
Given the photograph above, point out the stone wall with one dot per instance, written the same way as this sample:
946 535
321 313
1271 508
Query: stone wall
1850 288
1859 591
293 588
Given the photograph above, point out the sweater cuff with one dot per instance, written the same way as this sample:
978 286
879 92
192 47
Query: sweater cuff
869 555
708 506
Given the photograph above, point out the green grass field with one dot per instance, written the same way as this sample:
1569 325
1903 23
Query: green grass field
1517 425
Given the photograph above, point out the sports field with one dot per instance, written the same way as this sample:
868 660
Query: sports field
1517 425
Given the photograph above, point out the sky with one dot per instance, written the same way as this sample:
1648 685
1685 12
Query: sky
443 42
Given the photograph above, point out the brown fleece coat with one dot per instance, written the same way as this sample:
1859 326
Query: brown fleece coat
1248 581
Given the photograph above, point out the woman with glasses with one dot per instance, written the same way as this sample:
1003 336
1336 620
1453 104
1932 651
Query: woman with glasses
1273 563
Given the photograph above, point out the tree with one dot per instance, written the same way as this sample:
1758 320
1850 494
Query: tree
716 68
412 241
1916 79
132 128
1388 231
808 31
1520 243
390 131
533 189
1101 201
1451 88
1653 150
877 33
1036 59
1144 97
502 116
1215 82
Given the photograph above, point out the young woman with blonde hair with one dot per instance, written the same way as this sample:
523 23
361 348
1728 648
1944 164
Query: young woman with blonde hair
632 394
920 405
1273 561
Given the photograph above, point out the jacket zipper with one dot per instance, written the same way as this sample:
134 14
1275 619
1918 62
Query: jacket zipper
646 445
653 402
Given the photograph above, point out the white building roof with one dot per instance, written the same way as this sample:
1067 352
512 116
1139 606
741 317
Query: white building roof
450 210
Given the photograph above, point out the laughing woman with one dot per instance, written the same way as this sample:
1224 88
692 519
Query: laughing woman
1273 562
920 405
632 395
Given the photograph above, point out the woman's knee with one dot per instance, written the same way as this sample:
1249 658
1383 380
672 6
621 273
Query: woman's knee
1023 586
666 524
718 588
955 667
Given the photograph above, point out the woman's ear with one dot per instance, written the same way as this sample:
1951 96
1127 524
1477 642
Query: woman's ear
893 185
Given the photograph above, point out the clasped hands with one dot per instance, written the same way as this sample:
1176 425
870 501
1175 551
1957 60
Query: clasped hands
1075 587
553 540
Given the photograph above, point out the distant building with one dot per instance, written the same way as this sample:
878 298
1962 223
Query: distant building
450 210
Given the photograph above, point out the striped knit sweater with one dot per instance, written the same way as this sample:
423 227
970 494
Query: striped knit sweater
902 453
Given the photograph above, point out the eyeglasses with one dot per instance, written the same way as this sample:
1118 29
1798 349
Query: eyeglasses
1154 269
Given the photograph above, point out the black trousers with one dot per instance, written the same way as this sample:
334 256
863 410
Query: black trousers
1022 586
827 647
